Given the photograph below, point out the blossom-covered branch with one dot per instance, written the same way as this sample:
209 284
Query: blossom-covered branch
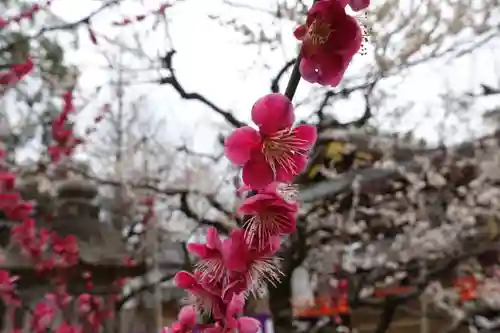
242 264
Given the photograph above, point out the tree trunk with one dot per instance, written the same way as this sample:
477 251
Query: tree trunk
281 307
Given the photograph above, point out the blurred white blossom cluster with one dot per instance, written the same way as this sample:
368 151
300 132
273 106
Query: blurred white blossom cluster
415 215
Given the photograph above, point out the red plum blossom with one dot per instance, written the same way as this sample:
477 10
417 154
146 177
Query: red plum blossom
277 151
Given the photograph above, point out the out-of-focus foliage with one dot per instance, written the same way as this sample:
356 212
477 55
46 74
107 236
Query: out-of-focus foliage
29 107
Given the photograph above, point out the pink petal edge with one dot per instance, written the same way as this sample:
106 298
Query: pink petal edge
239 145
272 113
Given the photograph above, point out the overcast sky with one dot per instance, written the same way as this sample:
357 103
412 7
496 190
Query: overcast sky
212 60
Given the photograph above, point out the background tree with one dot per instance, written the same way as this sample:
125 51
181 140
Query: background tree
29 107
380 91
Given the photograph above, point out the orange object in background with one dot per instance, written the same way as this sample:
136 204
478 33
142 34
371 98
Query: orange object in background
467 287
397 290
323 306
343 305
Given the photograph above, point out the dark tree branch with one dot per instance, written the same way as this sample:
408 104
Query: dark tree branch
330 122
324 103
388 312
217 205
372 176
366 116
174 82
140 290
347 91
326 121
186 209
294 80
299 248
150 287
488 90
159 190
63 27
186 150
152 188
187 260
391 303
355 290
342 184
275 83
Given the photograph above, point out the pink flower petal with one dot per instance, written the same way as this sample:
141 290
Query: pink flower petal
333 78
308 71
351 42
290 227
300 31
343 3
174 328
236 305
235 286
306 133
215 329
344 31
358 5
272 113
187 316
325 73
274 245
257 173
263 201
255 203
185 280
239 145
286 175
213 239
197 249
248 325
235 251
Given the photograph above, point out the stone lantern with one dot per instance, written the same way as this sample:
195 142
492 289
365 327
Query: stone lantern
76 211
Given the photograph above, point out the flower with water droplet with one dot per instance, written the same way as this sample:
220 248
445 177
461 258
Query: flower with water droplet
330 38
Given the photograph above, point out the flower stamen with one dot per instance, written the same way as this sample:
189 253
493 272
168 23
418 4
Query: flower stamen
213 269
263 271
318 32
280 148
263 227
366 31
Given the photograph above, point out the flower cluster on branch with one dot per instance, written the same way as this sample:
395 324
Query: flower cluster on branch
49 252
271 155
